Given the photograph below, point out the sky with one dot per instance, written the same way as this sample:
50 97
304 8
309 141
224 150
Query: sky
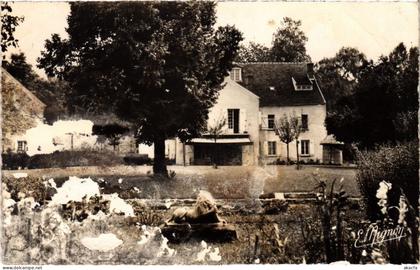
375 28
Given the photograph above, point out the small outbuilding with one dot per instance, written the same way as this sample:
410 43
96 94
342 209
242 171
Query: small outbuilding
332 150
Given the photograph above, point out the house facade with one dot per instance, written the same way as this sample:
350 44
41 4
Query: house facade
254 98
237 108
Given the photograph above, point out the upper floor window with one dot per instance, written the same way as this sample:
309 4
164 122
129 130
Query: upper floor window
236 74
271 121
300 86
233 120
305 122
304 147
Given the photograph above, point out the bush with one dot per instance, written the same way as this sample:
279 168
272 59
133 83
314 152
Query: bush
137 159
14 161
74 158
30 186
395 164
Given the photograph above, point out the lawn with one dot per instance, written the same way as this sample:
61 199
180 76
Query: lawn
229 182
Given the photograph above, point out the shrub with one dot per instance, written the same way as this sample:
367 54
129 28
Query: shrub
74 158
14 161
395 164
137 159
30 186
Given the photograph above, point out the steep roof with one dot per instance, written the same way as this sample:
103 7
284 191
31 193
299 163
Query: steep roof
19 87
261 77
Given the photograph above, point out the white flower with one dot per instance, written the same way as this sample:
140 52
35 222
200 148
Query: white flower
402 209
381 194
383 189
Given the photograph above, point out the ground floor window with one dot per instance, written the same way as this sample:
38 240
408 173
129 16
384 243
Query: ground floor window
272 147
21 146
304 147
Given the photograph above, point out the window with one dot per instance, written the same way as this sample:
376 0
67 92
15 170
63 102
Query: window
304 122
270 120
272 147
236 75
233 120
21 146
304 147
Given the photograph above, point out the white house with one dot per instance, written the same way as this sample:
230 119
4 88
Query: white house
238 145
287 89
255 96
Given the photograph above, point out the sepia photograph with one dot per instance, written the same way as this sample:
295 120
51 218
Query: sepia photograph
209 133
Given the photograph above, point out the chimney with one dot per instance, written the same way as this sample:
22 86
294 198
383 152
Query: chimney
310 70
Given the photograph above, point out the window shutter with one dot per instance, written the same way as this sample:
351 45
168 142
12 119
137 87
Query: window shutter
278 148
242 121
311 148
265 148
226 116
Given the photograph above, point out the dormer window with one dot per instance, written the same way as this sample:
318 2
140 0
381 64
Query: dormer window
236 74
301 86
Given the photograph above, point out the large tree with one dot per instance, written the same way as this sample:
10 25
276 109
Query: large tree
289 42
339 75
384 104
158 65
253 52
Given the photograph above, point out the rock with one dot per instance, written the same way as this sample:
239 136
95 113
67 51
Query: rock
211 232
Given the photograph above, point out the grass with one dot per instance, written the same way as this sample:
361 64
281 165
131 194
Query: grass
230 182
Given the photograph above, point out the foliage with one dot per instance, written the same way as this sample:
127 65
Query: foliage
384 102
28 187
158 65
64 159
288 45
137 159
403 216
113 132
14 161
9 24
288 129
339 75
253 52
396 164
331 210
289 42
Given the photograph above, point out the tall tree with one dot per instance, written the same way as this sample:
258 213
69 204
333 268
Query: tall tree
158 65
289 42
285 132
253 52
8 27
19 68
384 102
339 75
296 125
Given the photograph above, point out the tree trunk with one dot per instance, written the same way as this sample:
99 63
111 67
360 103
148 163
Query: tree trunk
297 154
159 162
288 158
183 154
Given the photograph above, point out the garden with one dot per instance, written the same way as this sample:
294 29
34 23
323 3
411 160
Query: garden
111 219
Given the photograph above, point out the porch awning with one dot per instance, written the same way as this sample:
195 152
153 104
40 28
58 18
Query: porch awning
220 141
